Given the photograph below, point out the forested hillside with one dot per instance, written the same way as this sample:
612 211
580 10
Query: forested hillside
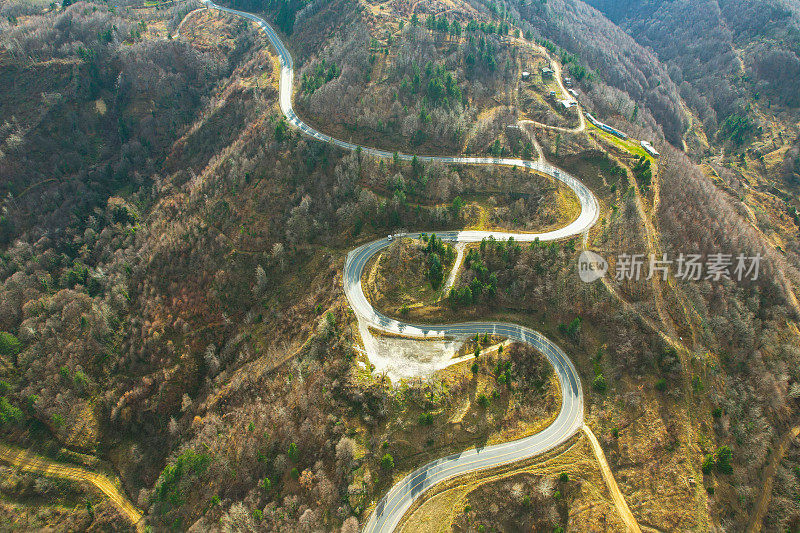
122 97
171 256
724 55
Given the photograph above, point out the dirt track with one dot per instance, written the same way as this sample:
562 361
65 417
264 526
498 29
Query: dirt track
619 500
30 462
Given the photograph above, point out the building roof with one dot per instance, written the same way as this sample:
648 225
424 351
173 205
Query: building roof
649 148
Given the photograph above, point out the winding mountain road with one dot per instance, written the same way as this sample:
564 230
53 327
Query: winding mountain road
391 508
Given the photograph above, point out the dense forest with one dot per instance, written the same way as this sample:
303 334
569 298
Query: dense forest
738 51
171 255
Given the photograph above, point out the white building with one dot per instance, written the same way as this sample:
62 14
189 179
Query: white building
649 149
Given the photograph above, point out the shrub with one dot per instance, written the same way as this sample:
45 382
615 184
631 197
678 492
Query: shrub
456 206
9 344
435 270
483 401
460 296
9 413
661 385
724 456
292 452
599 383
642 171
571 330
737 128
121 213
708 463
188 463
80 379
330 323
387 461
280 130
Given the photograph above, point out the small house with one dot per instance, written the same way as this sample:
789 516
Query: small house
525 75
568 82
547 72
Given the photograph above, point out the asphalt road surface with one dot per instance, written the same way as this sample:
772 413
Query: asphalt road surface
390 509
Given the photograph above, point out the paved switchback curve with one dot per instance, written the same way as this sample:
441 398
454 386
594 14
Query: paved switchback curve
391 508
